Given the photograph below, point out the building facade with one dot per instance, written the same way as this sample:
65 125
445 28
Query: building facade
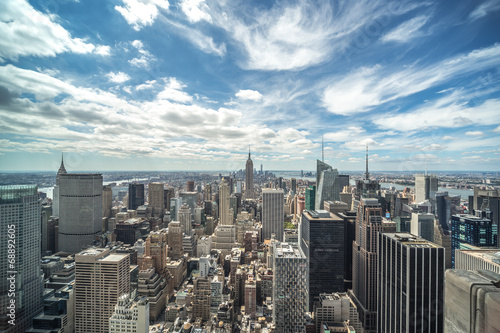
273 217
249 190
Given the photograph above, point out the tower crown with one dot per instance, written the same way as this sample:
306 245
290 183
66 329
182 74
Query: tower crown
62 169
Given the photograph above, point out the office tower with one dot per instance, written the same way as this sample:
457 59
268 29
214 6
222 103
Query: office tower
469 231
486 201
249 190
185 219
239 186
343 182
155 199
20 282
168 194
155 289
322 241
250 297
367 187
273 218
422 225
107 201
224 239
175 205
201 300
410 284
225 216
130 316
190 186
135 195
294 185
290 288
443 239
335 308
175 246
425 187
472 301
80 209
364 261
327 185
311 197
100 279
446 206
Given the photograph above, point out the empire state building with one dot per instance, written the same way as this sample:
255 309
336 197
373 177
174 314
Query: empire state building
249 194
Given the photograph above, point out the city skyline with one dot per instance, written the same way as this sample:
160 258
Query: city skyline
191 84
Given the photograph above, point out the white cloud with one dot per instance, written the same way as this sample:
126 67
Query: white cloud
484 8
474 133
406 30
447 137
497 129
26 31
141 13
252 95
196 10
173 91
148 85
103 50
366 88
342 136
118 77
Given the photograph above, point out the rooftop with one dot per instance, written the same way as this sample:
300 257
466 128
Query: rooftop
492 256
411 240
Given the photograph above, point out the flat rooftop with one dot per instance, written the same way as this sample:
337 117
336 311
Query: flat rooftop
491 256
411 240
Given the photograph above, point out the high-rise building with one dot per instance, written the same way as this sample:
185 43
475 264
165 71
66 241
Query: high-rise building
410 284
290 288
225 204
335 308
426 187
472 301
311 197
249 190
446 206
364 261
327 185
478 259
190 186
100 279
130 316
185 219
294 185
250 297
367 187
486 201
469 232
135 195
175 246
422 225
322 241
80 209
107 201
201 300
21 286
155 198
273 217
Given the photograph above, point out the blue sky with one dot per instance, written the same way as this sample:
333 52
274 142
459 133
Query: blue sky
170 85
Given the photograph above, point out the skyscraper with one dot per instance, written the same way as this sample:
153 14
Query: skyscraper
410 284
135 195
100 279
249 191
273 218
469 232
80 209
364 261
224 193
426 187
185 219
156 199
327 185
311 197
322 241
20 284
290 288
366 187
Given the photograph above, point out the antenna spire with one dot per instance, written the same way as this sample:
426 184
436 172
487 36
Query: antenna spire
367 174
249 152
62 169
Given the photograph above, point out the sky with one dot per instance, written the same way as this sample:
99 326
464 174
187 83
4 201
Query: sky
194 84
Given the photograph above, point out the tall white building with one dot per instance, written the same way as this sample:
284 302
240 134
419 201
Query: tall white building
185 219
290 288
20 278
130 316
80 201
422 225
426 187
226 218
273 217
100 279
336 308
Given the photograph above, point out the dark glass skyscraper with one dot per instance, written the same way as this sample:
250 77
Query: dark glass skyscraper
322 241
469 231
135 195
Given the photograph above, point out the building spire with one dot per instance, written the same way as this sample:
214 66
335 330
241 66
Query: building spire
367 174
248 152
62 169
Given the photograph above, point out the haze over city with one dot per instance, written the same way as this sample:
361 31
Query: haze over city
190 85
